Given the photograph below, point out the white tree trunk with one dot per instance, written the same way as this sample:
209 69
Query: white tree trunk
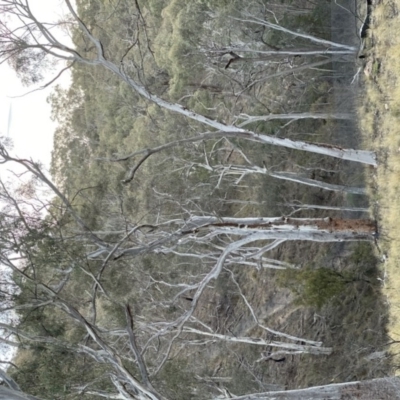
287 176
45 41
300 206
248 119
281 52
255 20
374 389
36 32
362 156
290 176
9 394
202 230
311 229
300 348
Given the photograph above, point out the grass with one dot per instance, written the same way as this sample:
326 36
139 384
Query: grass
380 123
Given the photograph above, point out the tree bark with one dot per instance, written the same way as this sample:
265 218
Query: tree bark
361 156
287 176
300 348
312 229
248 119
329 44
374 389
290 176
301 206
9 394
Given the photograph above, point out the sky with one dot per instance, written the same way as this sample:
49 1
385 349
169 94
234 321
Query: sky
25 118
30 128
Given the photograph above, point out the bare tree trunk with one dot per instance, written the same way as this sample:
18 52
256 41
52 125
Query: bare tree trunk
248 119
146 153
290 176
312 229
299 348
374 389
287 176
48 44
276 53
299 206
9 394
329 44
362 156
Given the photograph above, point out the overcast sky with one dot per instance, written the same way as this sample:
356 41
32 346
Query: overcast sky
30 126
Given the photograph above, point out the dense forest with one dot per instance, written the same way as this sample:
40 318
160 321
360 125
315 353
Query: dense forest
208 234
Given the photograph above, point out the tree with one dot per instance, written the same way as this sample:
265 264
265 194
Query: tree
49 262
240 171
126 357
384 388
197 236
32 43
9 394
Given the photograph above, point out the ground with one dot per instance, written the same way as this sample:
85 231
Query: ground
379 120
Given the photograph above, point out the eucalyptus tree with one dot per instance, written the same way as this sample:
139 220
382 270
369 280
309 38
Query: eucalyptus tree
237 172
47 261
383 388
32 44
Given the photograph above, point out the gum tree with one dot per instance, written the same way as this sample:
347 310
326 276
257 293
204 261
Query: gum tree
32 44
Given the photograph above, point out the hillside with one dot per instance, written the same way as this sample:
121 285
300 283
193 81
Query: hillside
193 249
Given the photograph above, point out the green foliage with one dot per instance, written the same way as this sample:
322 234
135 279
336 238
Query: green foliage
364 259
177 379
52 373
156 7
176 44
314 287
47 373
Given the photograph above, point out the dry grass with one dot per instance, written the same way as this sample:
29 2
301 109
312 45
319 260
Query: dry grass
380 123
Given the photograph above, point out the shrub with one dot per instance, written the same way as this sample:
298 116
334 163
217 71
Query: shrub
314 287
